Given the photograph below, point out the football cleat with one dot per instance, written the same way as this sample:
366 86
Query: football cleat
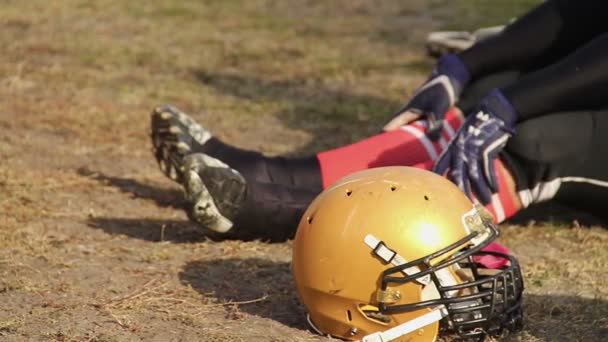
214 190
174 134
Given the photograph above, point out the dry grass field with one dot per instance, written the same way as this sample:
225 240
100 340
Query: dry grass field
94 245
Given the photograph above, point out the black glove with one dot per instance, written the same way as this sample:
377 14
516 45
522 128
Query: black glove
435 97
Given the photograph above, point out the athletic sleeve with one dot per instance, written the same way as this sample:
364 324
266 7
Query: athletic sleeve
577 82
544 35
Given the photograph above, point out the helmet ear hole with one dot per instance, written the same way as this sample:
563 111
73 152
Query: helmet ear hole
393 188
309 219
349 192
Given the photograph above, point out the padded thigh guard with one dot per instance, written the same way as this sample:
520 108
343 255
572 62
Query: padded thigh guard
554 138
561 156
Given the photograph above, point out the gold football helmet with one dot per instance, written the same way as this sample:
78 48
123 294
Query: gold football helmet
392 254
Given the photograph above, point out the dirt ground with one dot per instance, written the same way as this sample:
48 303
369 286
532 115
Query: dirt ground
93 243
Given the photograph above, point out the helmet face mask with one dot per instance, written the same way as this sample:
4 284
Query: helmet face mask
481 301
395 254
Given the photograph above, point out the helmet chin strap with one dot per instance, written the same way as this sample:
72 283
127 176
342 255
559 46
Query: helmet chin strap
405 328
402 329
388 255
429 291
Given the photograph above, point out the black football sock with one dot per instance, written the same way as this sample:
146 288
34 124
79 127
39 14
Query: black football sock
302 172
272 211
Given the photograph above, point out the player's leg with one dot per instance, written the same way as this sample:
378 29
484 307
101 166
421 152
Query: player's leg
408 146
563 157
224 184
175 135
220 198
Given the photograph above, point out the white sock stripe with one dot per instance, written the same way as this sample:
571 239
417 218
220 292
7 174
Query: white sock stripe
421 124
439 145
603 184
426 142
498 208
442 145
448 129
418 129
544 191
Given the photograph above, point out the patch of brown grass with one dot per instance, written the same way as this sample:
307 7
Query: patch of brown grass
93 245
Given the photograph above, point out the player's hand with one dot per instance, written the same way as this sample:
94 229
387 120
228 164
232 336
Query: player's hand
469 159
435 97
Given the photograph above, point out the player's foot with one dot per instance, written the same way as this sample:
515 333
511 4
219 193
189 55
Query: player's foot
442 42
214 190
174 135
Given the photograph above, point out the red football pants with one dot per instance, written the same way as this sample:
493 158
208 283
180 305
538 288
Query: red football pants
407 146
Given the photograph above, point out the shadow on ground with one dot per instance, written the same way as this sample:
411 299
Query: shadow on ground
242 280
179 231
564 318
162 230
238 280
163 197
